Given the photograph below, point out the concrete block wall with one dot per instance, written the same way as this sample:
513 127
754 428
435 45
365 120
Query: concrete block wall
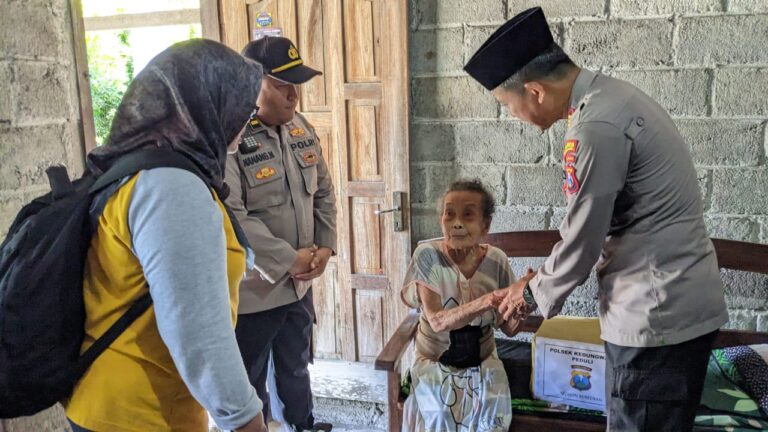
39 112
39 118
703 60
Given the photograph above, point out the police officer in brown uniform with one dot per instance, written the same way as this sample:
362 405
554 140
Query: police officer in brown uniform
281 193
634 208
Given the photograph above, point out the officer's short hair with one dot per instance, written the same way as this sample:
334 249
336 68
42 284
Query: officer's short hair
551 64
488 202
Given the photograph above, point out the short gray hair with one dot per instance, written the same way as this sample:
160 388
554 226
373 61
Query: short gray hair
471 185
551 64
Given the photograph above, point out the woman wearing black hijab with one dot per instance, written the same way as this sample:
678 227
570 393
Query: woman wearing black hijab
165 230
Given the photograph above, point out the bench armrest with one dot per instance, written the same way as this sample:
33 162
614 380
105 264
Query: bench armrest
396 345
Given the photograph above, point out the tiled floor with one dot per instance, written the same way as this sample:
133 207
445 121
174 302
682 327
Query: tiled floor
338 379
347 394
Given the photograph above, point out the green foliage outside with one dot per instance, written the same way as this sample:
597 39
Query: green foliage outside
112 65
110 72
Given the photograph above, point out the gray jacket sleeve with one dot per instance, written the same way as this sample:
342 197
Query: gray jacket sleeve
324 207
273 256
178 237
598 169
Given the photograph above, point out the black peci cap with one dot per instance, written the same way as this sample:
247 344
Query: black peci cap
280 59
509 48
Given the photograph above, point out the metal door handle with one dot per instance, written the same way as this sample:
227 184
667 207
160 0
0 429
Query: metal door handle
398 201
380 212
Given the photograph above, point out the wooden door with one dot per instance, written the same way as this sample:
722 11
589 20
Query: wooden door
359 107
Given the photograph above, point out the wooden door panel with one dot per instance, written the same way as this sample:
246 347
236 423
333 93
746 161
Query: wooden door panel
363 142
314 45
367 237
329 149
234 23
361 41
326 292
369 91
370 316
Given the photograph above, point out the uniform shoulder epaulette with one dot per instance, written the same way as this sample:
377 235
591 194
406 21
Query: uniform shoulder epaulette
254 122
256 125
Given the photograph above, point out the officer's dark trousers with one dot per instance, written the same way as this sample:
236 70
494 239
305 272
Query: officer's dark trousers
285 333
655 389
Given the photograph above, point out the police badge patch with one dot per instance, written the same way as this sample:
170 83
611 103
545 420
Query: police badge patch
570 182
265 173
569 152
309 157
297 132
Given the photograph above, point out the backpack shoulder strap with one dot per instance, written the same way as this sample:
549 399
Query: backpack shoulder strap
142 160
115 330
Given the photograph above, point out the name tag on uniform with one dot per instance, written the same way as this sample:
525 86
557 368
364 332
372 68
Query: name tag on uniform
257 158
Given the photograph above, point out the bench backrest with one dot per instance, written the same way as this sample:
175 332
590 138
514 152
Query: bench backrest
734 255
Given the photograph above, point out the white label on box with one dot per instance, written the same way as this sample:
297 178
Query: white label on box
571 373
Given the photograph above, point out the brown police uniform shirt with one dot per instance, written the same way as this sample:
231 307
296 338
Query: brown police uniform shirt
633 202
283 197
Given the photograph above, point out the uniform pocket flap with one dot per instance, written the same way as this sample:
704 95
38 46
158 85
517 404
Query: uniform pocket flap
310 179
662 385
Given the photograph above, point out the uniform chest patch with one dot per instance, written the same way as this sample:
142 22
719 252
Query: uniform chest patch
265 173
297 132
570 182
309 157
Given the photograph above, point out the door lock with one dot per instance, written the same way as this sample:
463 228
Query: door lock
398 202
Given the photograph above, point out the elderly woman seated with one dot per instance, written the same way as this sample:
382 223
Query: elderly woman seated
458 381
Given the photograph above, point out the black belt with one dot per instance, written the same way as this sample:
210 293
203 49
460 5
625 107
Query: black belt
464 350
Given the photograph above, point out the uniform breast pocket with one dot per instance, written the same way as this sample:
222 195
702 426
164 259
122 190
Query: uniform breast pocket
266 186
308 159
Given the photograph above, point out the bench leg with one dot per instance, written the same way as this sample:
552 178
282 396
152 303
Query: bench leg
393 401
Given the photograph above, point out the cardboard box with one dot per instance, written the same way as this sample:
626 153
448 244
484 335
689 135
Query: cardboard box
569 363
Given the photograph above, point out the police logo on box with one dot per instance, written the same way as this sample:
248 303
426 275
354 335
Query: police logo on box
580 377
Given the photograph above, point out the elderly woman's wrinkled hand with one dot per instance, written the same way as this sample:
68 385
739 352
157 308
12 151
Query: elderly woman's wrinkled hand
496 298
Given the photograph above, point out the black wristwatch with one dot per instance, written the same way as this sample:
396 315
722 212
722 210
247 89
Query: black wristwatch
528 297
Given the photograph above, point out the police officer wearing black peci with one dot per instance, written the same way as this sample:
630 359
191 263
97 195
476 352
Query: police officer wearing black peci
634 208
283 198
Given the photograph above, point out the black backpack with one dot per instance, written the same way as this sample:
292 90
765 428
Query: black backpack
42 259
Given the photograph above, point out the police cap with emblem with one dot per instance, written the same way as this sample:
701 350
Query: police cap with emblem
509 48
280 59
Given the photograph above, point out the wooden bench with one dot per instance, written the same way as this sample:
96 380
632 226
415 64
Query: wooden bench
749 257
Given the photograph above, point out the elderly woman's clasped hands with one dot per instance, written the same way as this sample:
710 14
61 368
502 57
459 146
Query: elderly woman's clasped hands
510 302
